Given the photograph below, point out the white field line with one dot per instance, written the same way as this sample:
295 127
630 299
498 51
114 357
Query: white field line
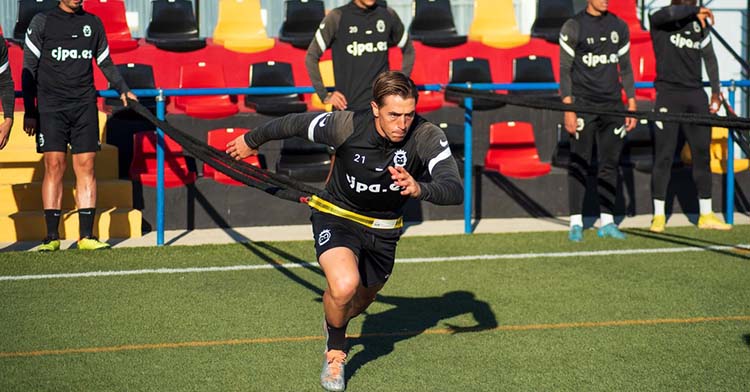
94 274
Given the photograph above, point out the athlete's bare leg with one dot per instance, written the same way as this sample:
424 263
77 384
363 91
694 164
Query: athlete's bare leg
52 187
83 165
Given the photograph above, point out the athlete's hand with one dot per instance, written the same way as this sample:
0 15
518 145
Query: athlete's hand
571 123
631 122
5 128
715 104
337 99
704 14
124 97
29 125
402 178
239 150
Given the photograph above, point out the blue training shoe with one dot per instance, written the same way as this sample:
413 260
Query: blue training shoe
576 233
611 231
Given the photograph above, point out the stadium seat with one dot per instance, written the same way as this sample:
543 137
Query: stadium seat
512 151
143 166
26 11
218 138
470 70
239 27
719 153
112 14
533 69
495 24
428 100
644 68
304 160
273 74
550 16
326 73
136 76
173 26
301 21
626 10
432 24
204 75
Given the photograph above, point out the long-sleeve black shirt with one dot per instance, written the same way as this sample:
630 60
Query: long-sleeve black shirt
359 40
7 93
360 180
594 56
680 44
58 51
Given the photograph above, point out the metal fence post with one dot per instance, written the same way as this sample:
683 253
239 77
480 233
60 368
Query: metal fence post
729 218
468 163
160 114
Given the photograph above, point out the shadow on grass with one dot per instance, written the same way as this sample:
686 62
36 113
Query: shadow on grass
255 247
677 239
746 339
412 317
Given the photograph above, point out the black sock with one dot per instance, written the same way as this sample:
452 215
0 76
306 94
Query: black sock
52 218
336 337
86 221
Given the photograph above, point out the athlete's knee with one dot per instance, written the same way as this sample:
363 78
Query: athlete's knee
54 166
343 289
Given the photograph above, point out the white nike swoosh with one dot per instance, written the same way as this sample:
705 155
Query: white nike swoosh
444 143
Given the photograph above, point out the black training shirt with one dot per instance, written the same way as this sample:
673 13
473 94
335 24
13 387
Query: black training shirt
360 181
680 43
7 93
359 40
59 48
594 54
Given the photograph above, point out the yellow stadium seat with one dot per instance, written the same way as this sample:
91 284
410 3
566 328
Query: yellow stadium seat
239 27
719 153
326 72
495 24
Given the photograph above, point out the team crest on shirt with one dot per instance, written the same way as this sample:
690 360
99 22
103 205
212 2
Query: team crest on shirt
696 27
614 37
400 158
324 237
87 31
380 25
41 140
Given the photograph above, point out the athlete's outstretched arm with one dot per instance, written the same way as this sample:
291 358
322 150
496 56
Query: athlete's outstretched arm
327 128
446 187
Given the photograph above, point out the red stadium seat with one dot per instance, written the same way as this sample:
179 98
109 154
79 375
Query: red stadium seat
112 14
512 151
143 166
644 68
626 10
218 138
204 75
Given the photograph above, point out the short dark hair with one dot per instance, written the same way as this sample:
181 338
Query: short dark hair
684 2
393 83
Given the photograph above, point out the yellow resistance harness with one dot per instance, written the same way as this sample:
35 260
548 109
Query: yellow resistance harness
329 208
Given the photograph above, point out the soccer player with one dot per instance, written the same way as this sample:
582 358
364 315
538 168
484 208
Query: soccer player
594 56
7 94
58 76
381 155
359 35
681 42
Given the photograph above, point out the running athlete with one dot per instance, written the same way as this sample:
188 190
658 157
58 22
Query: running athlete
58 76
359 35
7 94
381 153
681 40
594 56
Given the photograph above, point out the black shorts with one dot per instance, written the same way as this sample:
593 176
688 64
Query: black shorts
77 127
375 248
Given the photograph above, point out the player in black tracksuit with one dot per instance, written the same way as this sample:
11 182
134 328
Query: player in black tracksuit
380 154
60 103
594 56
359 35
681 42
7 94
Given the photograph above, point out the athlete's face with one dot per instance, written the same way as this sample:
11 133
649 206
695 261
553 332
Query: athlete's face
364 3
393 119
70 5
597 7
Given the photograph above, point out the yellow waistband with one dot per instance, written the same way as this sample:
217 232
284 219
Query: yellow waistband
325 206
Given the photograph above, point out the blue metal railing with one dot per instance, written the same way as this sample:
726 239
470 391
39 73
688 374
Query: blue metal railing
161 95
